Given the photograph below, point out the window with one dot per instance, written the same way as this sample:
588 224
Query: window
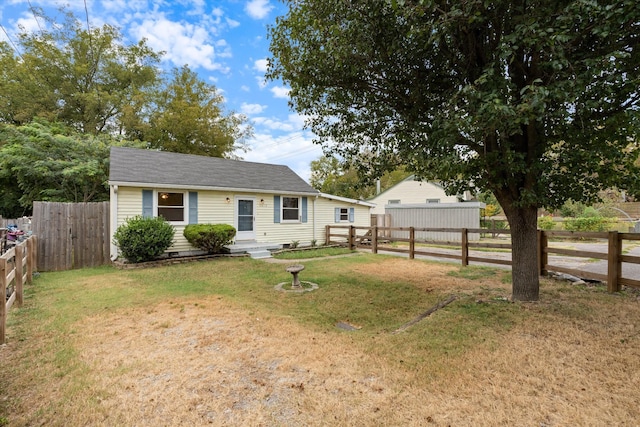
290 208
345 214
394 202
171 206
433 200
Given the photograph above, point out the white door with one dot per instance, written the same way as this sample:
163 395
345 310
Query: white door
245 218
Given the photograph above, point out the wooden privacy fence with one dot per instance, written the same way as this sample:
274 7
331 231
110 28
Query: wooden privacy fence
71 235
16 268
377 238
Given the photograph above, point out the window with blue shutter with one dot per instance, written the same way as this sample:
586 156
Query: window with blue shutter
337 215
352 214
147 203
193 207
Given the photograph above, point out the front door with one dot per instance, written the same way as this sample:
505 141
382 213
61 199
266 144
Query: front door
245 218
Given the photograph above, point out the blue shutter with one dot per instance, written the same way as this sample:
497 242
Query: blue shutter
193 207
304 209
276 209
337 216
147 203
352 214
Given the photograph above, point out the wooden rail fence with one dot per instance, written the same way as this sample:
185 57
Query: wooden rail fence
16 268
378 238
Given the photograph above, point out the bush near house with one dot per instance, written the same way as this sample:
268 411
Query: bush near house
143 239
211 238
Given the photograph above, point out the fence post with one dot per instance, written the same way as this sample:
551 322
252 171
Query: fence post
543 256
19 272
3 303
614 266
412 243
352 238
465 247
327 237
374 239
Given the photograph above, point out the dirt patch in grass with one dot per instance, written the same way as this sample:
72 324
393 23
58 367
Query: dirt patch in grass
429 276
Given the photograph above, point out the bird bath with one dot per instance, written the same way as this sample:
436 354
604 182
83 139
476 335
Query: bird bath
297 285
294 270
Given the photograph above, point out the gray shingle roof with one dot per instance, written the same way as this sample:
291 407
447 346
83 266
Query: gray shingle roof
135 166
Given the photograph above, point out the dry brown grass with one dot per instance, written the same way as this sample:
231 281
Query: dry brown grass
210 362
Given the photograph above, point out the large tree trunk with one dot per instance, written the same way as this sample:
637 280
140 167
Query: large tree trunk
524 253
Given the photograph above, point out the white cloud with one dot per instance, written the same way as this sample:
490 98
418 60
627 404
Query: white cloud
280 92
261 65
261 82
258 9
232 23
252 108
184 43
294 149
245 88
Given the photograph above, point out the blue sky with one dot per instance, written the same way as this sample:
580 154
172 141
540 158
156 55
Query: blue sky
225 42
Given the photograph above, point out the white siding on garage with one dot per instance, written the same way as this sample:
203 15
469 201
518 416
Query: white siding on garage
436 215
410 191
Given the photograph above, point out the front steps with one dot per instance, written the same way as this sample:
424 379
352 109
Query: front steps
254 249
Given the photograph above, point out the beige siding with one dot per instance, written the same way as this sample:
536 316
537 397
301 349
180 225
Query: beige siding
325 214
410 191
213 208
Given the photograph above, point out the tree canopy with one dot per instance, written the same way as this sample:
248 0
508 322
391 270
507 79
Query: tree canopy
95 82
52 162
332 176
536 101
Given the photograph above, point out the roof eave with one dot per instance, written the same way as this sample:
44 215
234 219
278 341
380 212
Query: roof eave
208 188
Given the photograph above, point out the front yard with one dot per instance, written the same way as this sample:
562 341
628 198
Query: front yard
212 343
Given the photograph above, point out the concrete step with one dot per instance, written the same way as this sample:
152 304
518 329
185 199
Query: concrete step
259 253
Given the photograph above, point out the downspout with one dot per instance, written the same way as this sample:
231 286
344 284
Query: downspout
314 219
113 208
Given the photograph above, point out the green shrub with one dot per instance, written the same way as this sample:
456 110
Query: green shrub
546 223
596 223
143 239
211 238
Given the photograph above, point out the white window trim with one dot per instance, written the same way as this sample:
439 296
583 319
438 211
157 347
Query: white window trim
344 220
185 205
282 208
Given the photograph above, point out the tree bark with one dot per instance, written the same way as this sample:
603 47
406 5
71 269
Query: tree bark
524 253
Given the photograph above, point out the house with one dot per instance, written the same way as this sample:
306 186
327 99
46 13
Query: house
266 203
411 191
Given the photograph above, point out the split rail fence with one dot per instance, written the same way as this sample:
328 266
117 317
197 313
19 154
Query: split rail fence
16 268
380 238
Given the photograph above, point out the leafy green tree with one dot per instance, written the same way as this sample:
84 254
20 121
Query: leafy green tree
93 81
536 101
189 118
51 162
88 79
330 175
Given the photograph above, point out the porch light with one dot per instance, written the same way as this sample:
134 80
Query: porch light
228 200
